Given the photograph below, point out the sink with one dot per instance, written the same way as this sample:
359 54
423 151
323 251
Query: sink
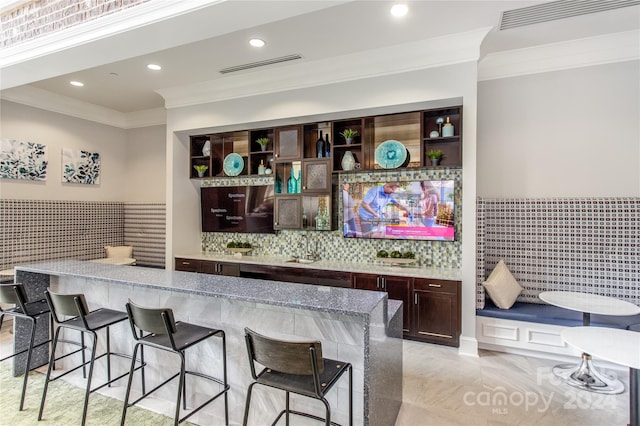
300 261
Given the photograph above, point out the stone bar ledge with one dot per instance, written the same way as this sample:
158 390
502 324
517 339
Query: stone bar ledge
360 327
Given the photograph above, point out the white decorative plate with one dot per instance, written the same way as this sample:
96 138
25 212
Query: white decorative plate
391 154
233 164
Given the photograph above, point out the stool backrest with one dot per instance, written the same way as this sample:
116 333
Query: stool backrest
13 294
284 356
72 305
151 320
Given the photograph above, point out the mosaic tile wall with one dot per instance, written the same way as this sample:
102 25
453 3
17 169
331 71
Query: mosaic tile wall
36 230
38 18
145 230
578 244
331 244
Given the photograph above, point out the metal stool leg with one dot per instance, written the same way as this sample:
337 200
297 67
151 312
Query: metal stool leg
27 367
247 404
91 364
130 381
48 376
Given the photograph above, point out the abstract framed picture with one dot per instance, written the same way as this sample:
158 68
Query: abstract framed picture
80 166
22 160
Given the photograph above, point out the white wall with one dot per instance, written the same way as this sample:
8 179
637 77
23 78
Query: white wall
57 131
145 165
571 133
132 163
455 81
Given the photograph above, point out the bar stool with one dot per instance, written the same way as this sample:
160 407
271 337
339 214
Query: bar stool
295 367
84 321
15 294
158 329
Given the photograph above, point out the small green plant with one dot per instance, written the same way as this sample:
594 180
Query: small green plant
263 141
435 154
349 133
200 168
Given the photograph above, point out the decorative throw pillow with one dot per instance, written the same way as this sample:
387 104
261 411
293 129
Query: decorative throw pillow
502 287
119 251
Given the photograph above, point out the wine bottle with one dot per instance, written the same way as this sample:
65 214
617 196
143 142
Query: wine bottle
320 146
327 146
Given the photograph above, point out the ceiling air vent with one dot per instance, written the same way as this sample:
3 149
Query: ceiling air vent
558 10
262 63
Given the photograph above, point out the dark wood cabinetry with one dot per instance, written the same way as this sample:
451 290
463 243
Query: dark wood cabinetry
435 136
208 267
431 308
297 275
437 311
397 288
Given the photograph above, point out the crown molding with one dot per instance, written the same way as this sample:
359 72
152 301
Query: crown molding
429 53
610 48
49 101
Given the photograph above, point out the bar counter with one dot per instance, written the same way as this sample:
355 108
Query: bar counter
360 327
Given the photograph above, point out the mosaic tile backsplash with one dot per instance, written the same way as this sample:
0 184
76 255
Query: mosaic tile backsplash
331 244
588 245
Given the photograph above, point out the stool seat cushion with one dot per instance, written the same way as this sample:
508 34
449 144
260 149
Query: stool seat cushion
303 384
555 315
186 335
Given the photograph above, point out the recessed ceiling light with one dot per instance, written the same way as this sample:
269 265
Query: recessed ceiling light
154 67
76 83
256 42
399 9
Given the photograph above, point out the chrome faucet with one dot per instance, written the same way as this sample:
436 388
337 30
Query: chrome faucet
309 247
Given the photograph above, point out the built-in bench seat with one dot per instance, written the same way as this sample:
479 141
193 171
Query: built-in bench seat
549 314
530 328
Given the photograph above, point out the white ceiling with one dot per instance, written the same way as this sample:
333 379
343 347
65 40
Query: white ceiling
193 45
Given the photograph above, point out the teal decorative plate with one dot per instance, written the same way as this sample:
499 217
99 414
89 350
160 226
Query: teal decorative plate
391 154
233 164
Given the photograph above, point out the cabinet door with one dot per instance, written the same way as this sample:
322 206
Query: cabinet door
399 288
366 282
437 311
188 265
288 143
229 269
316 176
287 212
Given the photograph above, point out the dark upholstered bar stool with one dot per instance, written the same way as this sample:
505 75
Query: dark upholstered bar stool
295 367
84 321
15 294
158 329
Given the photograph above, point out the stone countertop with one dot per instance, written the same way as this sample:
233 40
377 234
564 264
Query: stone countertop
374 267
304 296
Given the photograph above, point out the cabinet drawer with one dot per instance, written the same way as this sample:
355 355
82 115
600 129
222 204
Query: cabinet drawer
443 286
188 265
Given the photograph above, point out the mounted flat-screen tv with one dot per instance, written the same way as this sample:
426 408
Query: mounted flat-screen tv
410 210
237 209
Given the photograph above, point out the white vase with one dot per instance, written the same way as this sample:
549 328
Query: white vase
348 162
206 149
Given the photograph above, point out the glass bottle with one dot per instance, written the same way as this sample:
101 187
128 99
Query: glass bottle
261 168
320 146
327 146
447 129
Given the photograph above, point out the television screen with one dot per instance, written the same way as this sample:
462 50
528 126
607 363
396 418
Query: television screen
237 209
416 210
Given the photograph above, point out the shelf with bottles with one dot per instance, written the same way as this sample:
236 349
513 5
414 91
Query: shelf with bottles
288 178
317 140
316 213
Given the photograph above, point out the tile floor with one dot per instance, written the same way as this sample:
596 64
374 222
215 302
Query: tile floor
442 388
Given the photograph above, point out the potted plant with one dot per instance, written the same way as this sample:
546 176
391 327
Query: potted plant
435 155
200 168
348 135
263 142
